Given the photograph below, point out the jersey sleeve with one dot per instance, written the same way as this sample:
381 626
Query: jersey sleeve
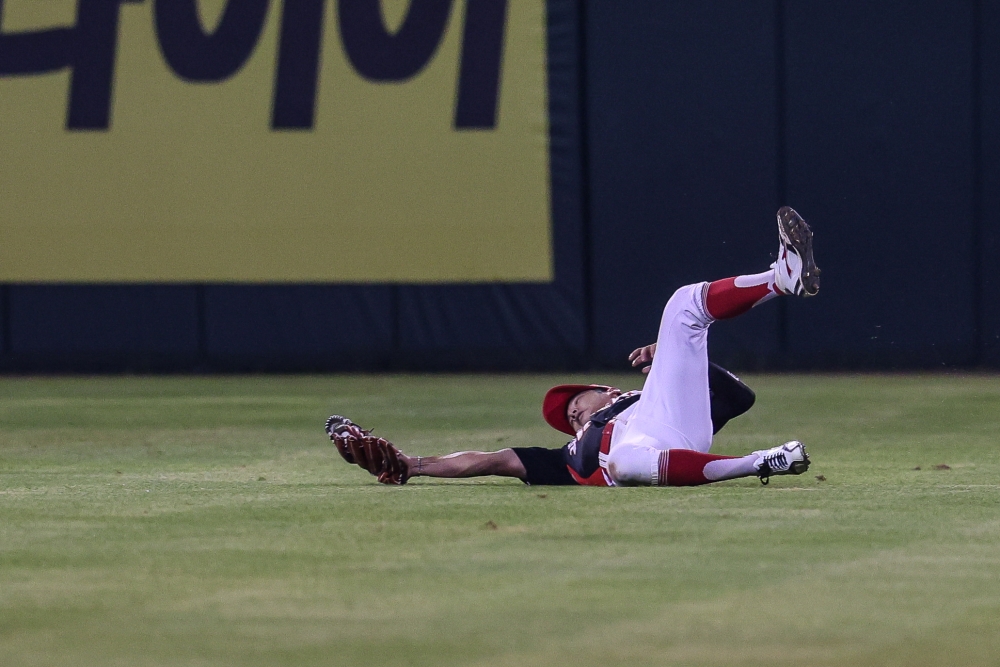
544 467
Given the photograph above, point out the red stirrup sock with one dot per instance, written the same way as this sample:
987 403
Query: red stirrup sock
734 296
686 467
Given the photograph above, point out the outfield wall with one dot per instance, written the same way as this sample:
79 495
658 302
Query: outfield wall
478 184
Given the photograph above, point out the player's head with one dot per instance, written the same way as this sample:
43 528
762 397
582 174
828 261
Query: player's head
568 407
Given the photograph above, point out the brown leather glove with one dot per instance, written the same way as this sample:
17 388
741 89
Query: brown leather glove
358 446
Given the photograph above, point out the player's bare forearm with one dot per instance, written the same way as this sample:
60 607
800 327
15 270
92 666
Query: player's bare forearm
504 463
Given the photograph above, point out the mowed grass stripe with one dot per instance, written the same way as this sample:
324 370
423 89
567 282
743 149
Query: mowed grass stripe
189 521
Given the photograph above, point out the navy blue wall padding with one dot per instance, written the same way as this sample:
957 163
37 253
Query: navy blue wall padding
4 323
880 145
97 327
298 327
682 127
485 327
988 184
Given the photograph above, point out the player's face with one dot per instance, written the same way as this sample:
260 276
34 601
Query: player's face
582 406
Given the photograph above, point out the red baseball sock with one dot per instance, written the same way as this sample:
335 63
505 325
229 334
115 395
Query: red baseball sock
686 467
734 296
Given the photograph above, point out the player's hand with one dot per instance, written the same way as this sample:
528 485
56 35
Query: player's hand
643 355
407 464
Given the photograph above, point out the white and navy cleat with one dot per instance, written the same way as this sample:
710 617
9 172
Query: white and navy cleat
795 272
788 459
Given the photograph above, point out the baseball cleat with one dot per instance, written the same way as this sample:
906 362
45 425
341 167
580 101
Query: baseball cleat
795 272
788 459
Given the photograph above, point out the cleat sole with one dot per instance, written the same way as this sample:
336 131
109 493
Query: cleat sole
796 235
798 467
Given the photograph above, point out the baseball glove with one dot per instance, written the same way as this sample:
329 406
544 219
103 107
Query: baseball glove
358 446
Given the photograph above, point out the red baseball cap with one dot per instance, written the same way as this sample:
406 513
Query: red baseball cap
555 402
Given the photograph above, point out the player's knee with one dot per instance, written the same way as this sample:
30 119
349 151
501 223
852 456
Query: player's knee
630 466
686 305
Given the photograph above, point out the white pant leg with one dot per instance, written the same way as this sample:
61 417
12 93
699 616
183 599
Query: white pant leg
634 465
675 410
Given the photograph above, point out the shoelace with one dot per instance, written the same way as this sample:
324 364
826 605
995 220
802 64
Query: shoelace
770 463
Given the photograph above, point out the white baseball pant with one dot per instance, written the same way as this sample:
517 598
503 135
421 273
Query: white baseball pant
675 410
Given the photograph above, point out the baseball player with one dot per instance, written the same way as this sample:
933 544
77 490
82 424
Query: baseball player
657 437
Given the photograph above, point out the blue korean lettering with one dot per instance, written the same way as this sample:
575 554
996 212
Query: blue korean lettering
89 49
479 73
196 56
297 76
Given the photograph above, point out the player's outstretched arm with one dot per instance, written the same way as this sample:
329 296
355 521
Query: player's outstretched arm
504 463
385 461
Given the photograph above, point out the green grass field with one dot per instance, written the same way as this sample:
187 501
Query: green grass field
207 521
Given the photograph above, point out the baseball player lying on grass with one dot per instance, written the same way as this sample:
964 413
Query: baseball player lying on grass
657 437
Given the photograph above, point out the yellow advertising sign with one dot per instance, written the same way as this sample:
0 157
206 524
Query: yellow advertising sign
274 141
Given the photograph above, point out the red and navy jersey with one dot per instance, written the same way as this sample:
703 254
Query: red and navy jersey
579 462
584 454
